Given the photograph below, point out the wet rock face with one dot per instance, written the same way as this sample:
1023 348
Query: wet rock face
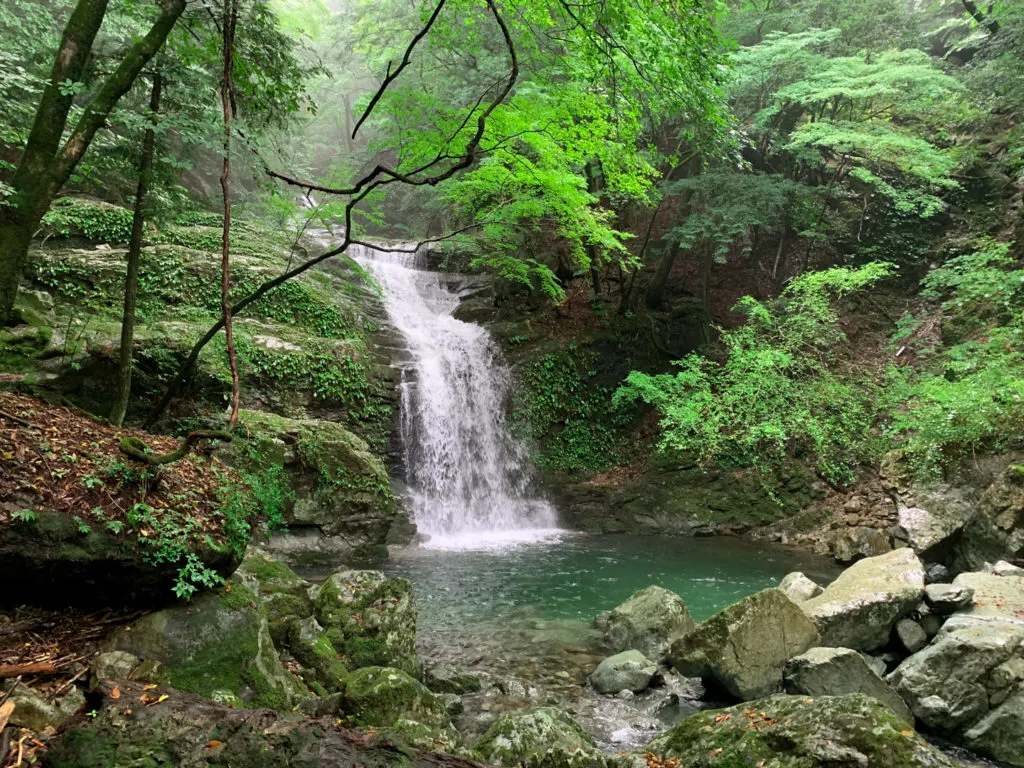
186 730
839 671
540 738
626 671
800 732
743 649
648 622
859 609
370 619
996 531
343 506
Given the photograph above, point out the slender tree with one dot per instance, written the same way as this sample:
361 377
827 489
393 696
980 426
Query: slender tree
131 278
227 101
49 159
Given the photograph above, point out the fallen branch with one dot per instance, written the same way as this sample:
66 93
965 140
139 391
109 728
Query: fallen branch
136 449
17 420
33 668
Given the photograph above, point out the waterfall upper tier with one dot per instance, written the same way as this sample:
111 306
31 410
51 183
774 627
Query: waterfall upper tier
469 479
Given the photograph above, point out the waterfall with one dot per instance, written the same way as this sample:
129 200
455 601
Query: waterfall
468 478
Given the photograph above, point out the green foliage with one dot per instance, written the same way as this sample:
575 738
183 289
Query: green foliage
91 219
968 394
562 410
780 391
329 373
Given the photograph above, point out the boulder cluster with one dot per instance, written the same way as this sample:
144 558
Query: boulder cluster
851 668
273 670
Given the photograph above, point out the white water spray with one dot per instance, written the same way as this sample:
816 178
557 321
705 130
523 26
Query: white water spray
469 480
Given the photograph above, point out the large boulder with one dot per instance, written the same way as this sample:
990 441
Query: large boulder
186 730
218 646
370 619
649 622
36 712
859 609
1000 733
851 731
626 671
838 671
540 738
379 696
743 649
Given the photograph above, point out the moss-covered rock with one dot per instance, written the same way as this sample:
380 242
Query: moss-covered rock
370 619
342 505
798 732
283 594
381 696
185 730
447 678
218 646
540 738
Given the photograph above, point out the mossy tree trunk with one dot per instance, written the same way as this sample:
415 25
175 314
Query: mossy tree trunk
46 164
131 277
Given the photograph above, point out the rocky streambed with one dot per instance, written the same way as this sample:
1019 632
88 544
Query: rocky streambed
274 670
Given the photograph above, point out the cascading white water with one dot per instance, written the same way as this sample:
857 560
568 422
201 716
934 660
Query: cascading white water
469 480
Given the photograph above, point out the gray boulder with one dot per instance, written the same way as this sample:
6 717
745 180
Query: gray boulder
538 738
911 635
861 541
1000 733
850 731
114 665
218 646
945 599
838 671
33 711
996 531
649 622
743 649
966 684
946 684
1003 568
629 670
379 697
798 587
859 609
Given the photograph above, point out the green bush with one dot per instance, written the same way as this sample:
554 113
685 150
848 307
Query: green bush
94 220
781 389
563 411
967 394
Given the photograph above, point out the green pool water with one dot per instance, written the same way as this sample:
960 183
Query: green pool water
581 575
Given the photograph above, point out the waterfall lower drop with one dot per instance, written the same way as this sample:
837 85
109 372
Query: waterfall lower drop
469 479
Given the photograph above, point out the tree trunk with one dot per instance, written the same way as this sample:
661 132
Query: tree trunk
656 288
45 165
227 101
985 19
593 254
131 277
347 101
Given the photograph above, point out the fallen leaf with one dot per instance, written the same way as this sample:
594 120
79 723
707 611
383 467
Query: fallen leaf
5 713
213 744
116 693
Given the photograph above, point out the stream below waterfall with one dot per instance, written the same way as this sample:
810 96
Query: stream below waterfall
501 590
